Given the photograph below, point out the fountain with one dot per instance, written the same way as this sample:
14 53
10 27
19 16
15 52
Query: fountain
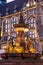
23 47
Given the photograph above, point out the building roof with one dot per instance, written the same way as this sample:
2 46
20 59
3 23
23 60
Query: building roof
17 4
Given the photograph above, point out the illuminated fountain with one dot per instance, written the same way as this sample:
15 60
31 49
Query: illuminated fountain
20 29
22 40
24 46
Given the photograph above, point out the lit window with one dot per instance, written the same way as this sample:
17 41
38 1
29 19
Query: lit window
12 29
8 37
14 20
5 26
31 22
6 30
6 21
31 25
12 24
31 34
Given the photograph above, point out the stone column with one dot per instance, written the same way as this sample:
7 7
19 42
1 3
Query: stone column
40 47
38 22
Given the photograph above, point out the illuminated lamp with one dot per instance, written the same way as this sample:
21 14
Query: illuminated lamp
34 3
27 5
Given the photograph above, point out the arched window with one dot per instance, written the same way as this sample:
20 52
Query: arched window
31 34
25 17
31 22
6 26
14 20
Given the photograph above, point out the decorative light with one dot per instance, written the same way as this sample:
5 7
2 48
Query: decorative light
34 3
1 33
26 30
25 38
4 47
21 29
27 5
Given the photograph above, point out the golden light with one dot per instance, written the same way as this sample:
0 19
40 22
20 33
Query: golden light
17 44
4 47
32 50
34 3
21 29
1 33
25 38
26 30
27 5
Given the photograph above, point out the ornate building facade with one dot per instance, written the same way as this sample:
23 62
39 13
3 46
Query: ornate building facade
32 15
